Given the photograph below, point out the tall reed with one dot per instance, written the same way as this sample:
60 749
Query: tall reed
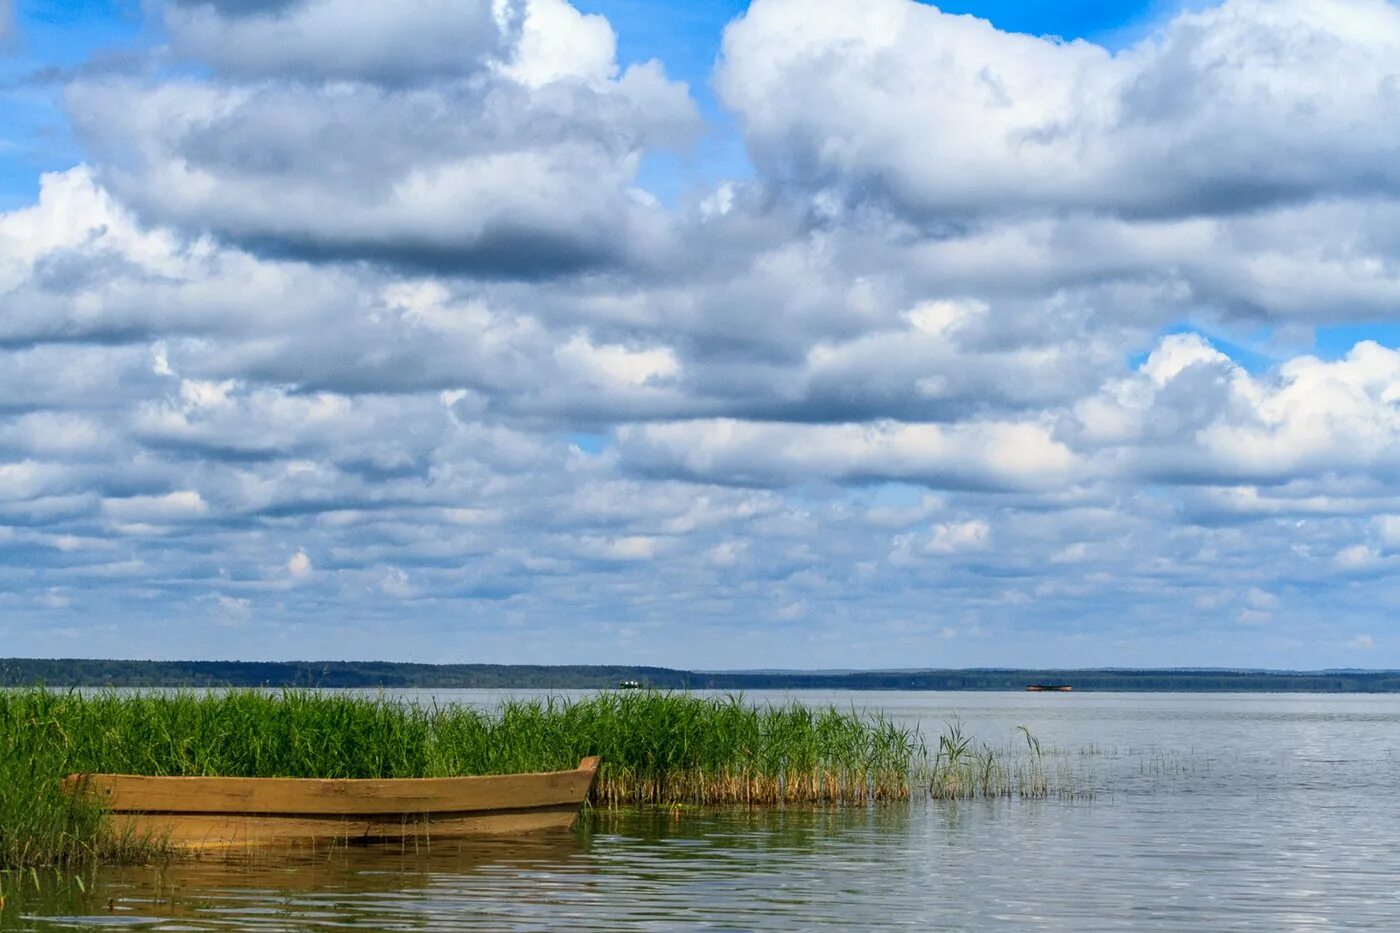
961 769
39 824
657 749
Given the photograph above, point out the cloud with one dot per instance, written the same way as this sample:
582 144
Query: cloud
1193 415
1388 529
626 548
299 565
962 536
970 456
443 136
336 39
727 553
1360 558
154 514
944 117
614 365
236 610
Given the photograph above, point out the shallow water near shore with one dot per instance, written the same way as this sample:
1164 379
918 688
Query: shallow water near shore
1234 811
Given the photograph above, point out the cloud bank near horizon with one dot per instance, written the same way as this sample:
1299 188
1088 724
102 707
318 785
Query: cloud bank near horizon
329 350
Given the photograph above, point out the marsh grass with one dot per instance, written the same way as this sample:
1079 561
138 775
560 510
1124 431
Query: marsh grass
961 768
657 749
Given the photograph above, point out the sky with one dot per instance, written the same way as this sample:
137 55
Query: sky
799 333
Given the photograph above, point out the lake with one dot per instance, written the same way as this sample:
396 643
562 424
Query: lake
1239 811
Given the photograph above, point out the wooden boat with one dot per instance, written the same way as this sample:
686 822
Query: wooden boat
221 812
1049 688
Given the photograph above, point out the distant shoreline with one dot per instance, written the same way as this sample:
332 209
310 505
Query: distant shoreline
84 672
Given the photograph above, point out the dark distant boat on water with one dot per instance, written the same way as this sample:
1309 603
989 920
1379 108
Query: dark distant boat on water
629 685
1049 688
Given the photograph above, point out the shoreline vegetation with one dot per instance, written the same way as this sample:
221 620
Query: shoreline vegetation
88 672
658 749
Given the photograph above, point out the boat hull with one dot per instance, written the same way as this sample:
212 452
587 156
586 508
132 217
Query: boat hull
220 812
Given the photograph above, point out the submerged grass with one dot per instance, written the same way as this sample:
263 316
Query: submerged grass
657 748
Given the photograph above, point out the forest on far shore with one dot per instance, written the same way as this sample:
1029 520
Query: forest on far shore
83 672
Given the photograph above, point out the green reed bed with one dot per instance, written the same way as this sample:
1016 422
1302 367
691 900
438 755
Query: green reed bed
657 749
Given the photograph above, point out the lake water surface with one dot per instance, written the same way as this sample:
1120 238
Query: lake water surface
1240 811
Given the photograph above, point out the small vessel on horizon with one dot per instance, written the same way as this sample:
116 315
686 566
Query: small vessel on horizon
629 685
1049 688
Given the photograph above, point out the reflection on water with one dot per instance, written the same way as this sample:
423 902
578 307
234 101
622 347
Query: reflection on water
1225 812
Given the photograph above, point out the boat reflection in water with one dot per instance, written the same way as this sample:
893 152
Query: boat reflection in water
406 885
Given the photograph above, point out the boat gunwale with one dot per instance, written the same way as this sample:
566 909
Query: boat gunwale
336 797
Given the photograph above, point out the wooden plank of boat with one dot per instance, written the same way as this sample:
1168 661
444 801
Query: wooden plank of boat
218 812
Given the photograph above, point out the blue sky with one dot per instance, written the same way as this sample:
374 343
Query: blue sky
856 335
50 36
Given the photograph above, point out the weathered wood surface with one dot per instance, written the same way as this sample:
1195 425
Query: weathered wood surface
205 812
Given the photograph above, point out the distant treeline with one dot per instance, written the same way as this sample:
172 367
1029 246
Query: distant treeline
64 672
